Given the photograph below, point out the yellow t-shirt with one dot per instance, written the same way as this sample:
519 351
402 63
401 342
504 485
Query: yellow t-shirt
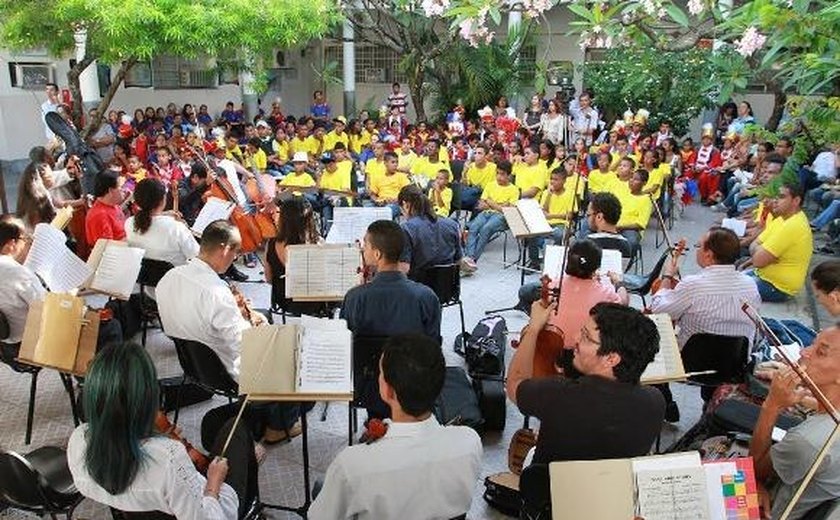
635 209
791 242
558 204
303 180
281 150
389 186
423 167
259 160
769 224
356 142
658 176
446 196
619 188
234 154
337 180
600 182
405 160
505 195
374 169
308 145
332 138
572 181
530 176
481 177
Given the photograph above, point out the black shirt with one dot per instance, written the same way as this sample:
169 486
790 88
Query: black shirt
429 243
591 418
392 304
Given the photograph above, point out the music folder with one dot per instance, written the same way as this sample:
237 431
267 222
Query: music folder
526 219
667 365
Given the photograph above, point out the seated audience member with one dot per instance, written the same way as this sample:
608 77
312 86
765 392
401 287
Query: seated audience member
495 196
391 303
477 175
35 202
782 252
601 178
605 413
298 178
440 194
825 279
190 192
385 188
161 234
602 218
559 205
429 239
636 208
196 304
419 469
332 178
789 460
105 218
295 225
530 175
117 460
434 160
582 289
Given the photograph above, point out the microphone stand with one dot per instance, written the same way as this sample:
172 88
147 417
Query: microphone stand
765 330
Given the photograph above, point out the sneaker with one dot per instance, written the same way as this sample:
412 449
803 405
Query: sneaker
275 436
534 265
469 264
719 208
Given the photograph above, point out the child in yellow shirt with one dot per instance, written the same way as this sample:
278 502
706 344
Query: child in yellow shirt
441 195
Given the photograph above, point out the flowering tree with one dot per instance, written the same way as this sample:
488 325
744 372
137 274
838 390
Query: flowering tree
121 32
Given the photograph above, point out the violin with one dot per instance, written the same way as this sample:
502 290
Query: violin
550 339
245 307
365 270
165 427
677 253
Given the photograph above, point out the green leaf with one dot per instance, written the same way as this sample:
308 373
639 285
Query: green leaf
581 11
677 14
495 14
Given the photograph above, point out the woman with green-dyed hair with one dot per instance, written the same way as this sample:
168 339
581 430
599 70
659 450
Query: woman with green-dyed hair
118 460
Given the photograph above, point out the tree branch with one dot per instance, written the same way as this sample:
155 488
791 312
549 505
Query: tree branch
75 89
95 121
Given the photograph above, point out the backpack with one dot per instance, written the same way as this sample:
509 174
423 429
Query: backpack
484 347
457 402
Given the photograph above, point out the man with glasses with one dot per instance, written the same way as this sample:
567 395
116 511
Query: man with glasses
604 413
782 252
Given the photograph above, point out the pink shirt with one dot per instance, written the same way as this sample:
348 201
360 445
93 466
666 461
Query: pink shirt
577 297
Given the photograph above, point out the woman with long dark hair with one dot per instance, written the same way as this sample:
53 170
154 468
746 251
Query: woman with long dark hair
162 234
34 203
117 459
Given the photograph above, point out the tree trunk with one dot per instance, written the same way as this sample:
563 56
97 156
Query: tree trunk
76 89
779 102
415 86
94 122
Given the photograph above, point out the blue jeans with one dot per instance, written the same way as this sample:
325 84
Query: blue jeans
469 197
745 204
481 228
535 244
767 290
828 214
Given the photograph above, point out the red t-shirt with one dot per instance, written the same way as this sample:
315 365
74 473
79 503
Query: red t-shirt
104 221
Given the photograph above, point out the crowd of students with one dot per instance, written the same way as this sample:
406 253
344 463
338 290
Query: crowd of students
604 188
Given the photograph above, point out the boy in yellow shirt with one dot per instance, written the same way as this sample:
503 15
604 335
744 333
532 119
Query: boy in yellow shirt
477 174
431 163
255 156
636 208
558 203
530 174
298 178
601 178
496 195
332 178
278 161
384 189
441 195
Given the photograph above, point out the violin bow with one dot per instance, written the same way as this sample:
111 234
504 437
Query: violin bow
765 330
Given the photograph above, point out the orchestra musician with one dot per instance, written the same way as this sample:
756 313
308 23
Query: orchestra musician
196 304
117 459
190 192
105 219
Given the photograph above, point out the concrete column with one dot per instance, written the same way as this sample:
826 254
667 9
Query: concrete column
249 96
514 21
349 69
88 79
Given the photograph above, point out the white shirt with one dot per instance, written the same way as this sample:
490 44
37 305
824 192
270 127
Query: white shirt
824 166
710 302
19 289
230 170
166 239
47 107
416 471
195 304
167 481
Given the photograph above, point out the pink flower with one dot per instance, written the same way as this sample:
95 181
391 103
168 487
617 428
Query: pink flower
435 7
695 7
750 41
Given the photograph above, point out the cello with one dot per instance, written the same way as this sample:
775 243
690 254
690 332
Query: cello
262 191
166 428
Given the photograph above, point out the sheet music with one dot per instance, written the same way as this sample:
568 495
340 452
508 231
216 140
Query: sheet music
667 364
117 271
49 258
737 225
610 261
214 209
326 271
533 216
672 494
324 359
350 224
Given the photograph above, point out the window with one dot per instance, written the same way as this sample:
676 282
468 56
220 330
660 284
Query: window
528 63
172 72
374 63
140 75
31 76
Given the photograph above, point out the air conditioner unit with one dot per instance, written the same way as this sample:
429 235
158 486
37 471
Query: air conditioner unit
185 78
375 75
31 75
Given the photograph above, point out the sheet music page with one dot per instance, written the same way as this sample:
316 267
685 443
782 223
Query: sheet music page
737 225
350 224
667 364
50 259
533 216
672 494
214 209
611 261
117 271
324 358
327 271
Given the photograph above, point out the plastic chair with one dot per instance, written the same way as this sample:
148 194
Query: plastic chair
445 281
151 271
728 356
39 482
641 285
203 367
366 353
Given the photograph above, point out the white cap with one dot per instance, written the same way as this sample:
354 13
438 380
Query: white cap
300 157
263 124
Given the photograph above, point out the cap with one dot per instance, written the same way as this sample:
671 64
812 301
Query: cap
327 157
262 124
300 157
708 130
340 119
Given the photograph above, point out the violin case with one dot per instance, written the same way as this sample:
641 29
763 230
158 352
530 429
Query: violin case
484 352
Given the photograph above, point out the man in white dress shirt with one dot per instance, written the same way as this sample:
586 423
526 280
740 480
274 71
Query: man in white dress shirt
20 286
196 304
584 118
418 469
